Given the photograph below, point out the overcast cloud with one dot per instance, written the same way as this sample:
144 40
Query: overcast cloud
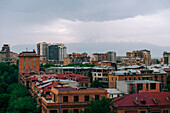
77 21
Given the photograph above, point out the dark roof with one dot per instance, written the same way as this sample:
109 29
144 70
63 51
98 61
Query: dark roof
142 99
75 89
29 53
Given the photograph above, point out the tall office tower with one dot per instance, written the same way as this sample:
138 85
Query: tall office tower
111 56
53 52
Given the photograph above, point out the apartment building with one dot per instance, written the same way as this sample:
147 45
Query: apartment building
138 86
109 56
28 62
66 99
143 74
145 54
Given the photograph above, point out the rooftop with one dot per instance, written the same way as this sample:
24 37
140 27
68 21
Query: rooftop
137 81
75 89
142 99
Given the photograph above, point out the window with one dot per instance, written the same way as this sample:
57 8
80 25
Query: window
34 59
29 63
24 67
24 58
24 63
99 74
76 110
65 111
139 86
34 67
112 78
34 63
153 86
146 85
129 78
138 78
165 111
65 98
29 67
86 98
97 97
29 58
76 98
53 111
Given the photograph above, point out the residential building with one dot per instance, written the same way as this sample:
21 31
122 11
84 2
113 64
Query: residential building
77 58
42 49
138 86
53 52
114 93
28 62
66 99
143 74
109 56
101 74
145 54
166 58
158 102
128 61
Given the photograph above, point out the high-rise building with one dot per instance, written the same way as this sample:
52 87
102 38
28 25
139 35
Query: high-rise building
42 49
53 52
47 51
166 58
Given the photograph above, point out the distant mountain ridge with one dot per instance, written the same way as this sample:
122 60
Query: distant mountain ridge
120 48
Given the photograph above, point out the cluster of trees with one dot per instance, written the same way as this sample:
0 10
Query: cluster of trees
14 97
69 65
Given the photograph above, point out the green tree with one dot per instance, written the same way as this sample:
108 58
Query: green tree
22 105
99 106
96 84
3 87
4 102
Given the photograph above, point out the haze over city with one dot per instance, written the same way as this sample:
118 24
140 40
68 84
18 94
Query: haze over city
87 25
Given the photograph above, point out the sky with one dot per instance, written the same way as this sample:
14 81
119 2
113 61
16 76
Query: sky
27 22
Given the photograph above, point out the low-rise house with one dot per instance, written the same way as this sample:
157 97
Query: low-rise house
158 102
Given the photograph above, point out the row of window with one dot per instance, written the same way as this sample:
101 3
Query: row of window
76 98
65 111
30 58
29 63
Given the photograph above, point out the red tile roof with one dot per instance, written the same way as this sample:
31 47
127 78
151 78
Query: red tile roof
143 99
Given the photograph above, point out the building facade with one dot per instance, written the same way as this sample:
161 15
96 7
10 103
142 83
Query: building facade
145 54
166 58
66 99
28 62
